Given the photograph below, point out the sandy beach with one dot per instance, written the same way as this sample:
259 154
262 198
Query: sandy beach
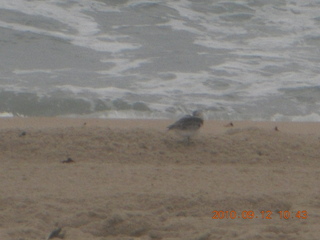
131 179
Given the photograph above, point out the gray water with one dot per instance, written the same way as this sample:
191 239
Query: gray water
251 60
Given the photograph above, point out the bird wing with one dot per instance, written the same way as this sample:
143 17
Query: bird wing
187 123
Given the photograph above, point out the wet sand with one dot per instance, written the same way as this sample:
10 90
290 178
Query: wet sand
131 179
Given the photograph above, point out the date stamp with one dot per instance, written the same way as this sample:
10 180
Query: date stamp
303 214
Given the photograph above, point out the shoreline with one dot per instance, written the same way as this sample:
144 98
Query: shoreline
210 126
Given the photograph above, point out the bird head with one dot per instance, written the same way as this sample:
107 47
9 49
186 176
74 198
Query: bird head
198 113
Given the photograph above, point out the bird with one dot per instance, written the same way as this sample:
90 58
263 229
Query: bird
188 126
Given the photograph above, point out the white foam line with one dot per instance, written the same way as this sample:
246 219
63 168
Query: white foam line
6 115
122 65
83 41
86 27
84 24
23 28
313 117
184 9
176 24
31 71
102 92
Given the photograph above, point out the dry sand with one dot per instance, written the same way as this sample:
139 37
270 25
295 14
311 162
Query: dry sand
132 180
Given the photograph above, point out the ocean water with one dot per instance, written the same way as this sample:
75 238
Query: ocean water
236 60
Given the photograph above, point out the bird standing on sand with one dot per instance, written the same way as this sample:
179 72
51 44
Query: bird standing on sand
188 125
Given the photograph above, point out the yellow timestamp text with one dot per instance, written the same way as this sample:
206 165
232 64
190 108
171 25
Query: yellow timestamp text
249 214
